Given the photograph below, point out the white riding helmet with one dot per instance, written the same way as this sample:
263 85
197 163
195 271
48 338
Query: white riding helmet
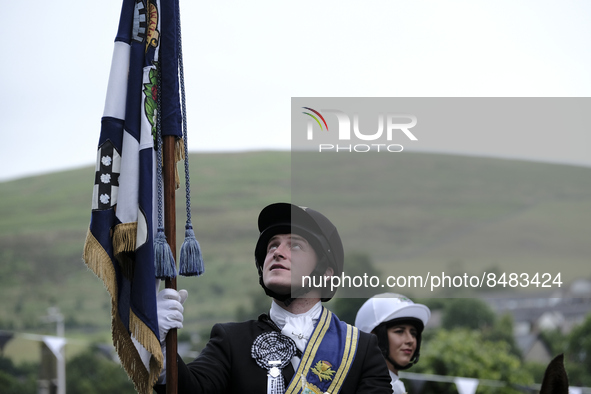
384 307
389 309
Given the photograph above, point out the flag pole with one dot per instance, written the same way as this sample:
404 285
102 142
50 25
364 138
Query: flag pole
168 173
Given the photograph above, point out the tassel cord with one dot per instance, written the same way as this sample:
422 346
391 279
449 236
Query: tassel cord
165 266
184 120
191 259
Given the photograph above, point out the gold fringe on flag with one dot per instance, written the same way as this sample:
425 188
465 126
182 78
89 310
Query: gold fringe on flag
97 260
124 245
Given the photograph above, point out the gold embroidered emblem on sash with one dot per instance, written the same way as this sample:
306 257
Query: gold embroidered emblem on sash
323 370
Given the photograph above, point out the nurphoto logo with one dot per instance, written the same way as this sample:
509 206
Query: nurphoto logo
390 127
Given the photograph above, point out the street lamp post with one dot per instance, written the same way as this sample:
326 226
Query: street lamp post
54 315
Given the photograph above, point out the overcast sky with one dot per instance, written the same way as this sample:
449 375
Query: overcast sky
245 60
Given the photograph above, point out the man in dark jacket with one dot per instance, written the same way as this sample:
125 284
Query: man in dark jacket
300 347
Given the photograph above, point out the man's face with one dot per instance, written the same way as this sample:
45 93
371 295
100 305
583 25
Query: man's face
289 257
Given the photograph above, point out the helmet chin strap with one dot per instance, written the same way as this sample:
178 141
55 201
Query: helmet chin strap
398 366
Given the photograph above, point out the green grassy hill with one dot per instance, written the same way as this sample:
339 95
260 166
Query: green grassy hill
419 213
45 220
409 212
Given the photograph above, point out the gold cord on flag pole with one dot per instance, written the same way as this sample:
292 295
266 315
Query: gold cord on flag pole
168 172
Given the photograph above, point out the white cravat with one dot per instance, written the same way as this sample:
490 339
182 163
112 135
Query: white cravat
298 327
397 385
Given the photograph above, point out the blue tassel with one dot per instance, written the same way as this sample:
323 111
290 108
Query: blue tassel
163 258
191 262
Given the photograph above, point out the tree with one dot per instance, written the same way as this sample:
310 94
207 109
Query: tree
91 372
471 313
348 300
579 354
502 330
465 353
258 303
18 379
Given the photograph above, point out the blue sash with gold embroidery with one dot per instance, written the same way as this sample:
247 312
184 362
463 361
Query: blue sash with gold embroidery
327 358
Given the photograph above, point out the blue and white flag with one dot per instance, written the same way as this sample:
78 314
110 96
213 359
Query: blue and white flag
119 245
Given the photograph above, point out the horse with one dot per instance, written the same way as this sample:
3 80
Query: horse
555 379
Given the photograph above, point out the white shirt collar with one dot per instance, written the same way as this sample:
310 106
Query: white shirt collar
397 385
278 314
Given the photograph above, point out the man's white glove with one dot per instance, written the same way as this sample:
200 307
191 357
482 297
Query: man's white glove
170 310
169 304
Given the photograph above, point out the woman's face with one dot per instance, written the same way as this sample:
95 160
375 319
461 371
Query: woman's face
403 343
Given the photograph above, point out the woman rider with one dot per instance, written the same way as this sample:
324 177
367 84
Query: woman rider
398 323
